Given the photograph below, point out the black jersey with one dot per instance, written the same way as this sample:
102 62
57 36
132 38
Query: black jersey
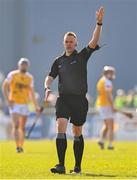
72 72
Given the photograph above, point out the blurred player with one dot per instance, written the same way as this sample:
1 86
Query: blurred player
71 68
17 89
105 105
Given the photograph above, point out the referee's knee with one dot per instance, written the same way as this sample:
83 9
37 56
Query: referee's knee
77 130
62 125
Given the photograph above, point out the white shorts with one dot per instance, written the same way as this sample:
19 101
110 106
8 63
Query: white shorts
105 112
21 109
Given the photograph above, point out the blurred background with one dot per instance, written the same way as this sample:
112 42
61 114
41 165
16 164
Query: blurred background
35 29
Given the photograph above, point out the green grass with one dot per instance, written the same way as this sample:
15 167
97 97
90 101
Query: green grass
40 156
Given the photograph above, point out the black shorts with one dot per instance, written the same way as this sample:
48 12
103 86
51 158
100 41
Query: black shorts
73 107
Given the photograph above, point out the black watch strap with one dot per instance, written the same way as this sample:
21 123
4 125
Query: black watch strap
99 24
47 88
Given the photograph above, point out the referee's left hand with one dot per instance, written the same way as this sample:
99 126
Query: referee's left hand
47 93
100 14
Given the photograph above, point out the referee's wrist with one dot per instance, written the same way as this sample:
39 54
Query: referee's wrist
99 23
47 88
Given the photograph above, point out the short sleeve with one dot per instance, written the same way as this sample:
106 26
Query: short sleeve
54 70
108 84
9 77
32 82
87 51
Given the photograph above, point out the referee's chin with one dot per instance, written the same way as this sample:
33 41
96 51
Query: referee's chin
69 51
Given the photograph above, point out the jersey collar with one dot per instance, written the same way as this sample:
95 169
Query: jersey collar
74 53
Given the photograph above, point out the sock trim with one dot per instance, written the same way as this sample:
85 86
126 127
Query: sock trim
61 135
77 138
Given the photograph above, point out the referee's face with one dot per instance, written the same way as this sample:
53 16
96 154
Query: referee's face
70 43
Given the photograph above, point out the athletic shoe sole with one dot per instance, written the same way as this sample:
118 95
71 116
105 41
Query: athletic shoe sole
75 173
55 171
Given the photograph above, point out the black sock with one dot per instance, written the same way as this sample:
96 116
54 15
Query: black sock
61 145
78 148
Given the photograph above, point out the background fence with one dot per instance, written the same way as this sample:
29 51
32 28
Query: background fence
125 128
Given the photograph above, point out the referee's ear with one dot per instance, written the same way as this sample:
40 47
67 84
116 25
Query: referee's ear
76 43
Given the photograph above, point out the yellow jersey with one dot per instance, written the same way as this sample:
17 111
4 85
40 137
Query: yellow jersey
20 85
103 85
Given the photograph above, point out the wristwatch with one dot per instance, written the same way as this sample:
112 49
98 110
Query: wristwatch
99 24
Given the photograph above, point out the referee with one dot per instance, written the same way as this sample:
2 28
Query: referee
71 69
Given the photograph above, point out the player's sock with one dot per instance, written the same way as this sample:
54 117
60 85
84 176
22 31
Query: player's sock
19 149
78 148
61 145
110 144
101 140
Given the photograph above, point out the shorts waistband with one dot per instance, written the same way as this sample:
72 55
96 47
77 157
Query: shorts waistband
72 95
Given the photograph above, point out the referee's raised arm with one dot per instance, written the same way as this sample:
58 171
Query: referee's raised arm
96 34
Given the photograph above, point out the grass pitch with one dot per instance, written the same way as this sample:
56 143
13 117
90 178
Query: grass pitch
40 156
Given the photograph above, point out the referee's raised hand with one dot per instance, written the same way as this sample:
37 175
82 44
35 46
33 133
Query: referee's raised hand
100 14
